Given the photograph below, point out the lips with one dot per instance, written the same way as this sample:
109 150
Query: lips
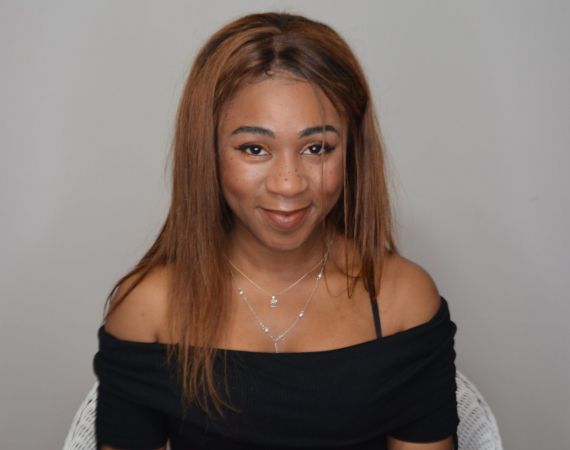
285 220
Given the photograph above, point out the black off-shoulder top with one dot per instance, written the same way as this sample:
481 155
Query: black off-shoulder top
402 385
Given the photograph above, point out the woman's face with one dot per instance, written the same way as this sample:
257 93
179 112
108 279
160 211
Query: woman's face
277 177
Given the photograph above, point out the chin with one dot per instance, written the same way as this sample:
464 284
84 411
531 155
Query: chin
290 241
284 243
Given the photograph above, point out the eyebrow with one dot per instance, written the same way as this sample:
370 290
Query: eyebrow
267 132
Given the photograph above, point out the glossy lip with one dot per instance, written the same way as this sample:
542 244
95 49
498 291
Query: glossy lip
285 220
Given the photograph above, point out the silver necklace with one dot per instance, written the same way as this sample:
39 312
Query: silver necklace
273 299
298 317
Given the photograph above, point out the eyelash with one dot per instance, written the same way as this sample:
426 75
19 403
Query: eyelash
322 149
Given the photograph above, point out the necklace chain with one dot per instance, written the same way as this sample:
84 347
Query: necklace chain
274 301
298 317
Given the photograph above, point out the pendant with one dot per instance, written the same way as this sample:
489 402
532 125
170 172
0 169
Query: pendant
274 301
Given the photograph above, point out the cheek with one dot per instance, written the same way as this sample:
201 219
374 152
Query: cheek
333 180
230 178
238 182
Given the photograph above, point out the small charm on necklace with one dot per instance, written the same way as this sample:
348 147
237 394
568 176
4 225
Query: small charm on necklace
274 301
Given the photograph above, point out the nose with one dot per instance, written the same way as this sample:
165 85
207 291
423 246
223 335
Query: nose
286 177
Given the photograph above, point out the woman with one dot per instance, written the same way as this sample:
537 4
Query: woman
273 310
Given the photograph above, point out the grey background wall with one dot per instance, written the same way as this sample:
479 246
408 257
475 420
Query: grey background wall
473 100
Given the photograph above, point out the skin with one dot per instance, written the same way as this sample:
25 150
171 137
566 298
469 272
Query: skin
271 157
283 171
286 171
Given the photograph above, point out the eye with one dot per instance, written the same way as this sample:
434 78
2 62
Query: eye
318 149
253 149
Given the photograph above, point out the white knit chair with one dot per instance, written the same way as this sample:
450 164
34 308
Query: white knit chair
81 435
477 429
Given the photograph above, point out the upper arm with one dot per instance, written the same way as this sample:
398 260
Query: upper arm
415 300
414 296
121 415
106 447
139 316
396 444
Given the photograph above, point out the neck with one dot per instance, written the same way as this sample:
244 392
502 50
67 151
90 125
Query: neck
254 257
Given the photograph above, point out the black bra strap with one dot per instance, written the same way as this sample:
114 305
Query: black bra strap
376 315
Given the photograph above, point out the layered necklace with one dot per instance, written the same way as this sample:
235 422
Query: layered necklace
274 301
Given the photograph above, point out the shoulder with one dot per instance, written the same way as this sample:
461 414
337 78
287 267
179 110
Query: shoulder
141 314
411 293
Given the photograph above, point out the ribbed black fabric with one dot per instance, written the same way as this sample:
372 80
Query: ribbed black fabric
401 385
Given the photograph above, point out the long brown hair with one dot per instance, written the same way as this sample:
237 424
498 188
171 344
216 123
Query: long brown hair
192 240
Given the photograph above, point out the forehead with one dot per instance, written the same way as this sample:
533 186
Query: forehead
279 102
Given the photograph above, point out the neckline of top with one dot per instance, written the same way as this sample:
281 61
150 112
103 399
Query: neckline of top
443 308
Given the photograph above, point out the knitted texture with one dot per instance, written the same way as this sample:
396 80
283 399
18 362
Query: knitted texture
81 435
478 428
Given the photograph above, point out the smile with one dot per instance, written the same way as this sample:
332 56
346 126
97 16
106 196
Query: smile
285 220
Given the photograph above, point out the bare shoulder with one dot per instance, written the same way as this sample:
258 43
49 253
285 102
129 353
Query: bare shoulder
140 315
413 295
